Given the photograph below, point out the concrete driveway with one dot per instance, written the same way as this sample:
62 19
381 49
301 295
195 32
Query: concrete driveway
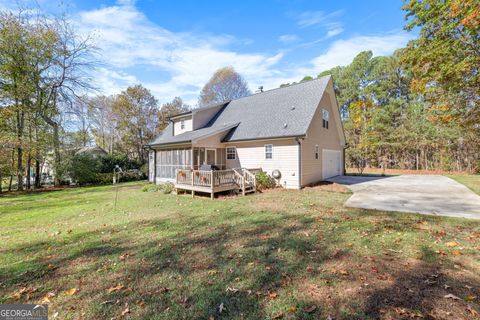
426 194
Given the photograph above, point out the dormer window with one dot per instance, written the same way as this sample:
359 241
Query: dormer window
182 124
325 118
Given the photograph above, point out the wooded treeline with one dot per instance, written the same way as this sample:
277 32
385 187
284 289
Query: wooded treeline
47 109
419 108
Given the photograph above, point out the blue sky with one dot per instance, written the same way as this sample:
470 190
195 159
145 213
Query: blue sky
173 47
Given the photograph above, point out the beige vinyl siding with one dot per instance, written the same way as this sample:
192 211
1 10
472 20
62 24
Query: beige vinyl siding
177 125
203 116
324 138
285 158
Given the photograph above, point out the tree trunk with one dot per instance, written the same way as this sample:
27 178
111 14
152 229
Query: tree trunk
38 174
12 167
56 147
29 164
20 124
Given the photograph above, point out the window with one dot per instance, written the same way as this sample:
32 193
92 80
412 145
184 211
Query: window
269 151
325 118
182 124
231 153
317 151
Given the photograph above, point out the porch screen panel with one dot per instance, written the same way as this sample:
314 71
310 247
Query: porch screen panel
168 161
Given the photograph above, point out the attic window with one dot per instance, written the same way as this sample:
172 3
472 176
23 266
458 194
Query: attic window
182 124
325 118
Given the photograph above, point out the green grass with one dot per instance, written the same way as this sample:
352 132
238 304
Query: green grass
471 181
280 254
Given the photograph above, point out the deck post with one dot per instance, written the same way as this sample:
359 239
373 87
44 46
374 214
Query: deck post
193 174
243 185
212 195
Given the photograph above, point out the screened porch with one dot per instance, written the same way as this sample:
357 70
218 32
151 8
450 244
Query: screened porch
167 161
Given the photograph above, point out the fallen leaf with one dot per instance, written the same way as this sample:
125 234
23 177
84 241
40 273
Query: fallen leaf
456 253
46 298
278 316
451 296
221 308
470 298
272 295
126 310
344 272
472 311
71 291
116 288
451 244
440 252
311 309
234 290
292 309
141 303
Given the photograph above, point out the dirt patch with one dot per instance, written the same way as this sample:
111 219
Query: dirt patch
402 171
328 186
386 289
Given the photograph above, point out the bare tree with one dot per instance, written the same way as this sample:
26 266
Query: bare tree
225 84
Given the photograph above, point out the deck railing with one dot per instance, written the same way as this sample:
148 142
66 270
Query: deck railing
216 181
202 178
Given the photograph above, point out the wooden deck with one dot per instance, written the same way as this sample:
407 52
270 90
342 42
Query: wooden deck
216 181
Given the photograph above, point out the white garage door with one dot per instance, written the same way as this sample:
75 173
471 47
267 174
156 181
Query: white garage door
331 163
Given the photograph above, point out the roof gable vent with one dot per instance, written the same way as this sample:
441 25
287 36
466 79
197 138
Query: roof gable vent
285 125
292 107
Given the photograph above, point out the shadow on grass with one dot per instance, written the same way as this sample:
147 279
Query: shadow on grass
190 266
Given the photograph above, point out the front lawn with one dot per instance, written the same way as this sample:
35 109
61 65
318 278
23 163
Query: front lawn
277 255
471 181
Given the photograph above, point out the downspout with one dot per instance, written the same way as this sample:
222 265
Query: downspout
344 162
299 141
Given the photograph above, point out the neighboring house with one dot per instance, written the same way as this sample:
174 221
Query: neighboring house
48 172
296 130
93 151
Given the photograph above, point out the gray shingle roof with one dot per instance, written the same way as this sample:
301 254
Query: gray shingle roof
282 112
264 115
167 138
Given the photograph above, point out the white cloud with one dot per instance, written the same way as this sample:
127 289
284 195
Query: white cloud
288 38
128 39
311 18
326 21
342 52
333 32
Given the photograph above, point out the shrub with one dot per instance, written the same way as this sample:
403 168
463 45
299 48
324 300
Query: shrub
165 188
104 178
168 187
264 181
83 168
151 188
144 169
109 162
